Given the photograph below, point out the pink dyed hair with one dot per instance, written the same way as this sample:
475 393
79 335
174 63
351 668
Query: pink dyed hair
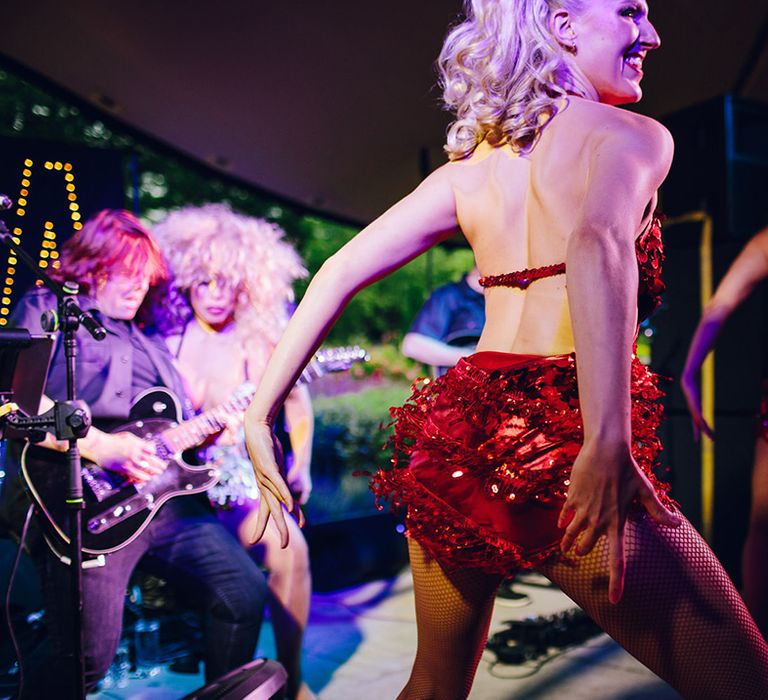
112 242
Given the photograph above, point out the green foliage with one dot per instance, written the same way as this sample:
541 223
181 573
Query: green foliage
29 111
383 312
387 362
350 434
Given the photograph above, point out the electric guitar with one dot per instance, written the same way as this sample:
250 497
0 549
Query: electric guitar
117 511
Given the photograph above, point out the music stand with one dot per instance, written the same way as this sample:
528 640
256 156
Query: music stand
24 362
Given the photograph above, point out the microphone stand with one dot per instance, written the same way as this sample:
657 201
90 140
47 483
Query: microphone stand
70 317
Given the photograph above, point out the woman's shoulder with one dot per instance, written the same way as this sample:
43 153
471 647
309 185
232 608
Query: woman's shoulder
609 129
473 168
608 122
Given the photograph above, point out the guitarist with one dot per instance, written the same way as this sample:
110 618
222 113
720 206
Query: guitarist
115 260
232 278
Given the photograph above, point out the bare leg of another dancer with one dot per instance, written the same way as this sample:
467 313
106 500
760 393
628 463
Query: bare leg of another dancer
680 616
290 589
755 556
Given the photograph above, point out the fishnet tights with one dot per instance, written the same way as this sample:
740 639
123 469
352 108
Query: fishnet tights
680 616
453 612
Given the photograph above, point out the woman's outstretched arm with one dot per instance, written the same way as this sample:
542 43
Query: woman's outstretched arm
749 268
417 222
627 165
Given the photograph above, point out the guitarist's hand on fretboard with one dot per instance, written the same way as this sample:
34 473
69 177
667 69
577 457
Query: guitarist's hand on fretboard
129 456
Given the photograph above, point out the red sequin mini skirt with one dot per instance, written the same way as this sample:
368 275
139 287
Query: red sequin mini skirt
483 455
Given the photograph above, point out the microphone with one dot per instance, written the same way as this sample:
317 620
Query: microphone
6 202
88 322
83 317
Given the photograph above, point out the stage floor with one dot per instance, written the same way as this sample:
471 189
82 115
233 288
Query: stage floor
360 643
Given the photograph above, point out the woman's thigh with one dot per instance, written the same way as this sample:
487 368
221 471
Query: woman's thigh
680 614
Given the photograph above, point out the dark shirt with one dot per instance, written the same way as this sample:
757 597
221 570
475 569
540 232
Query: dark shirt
109 372
453 314
145 374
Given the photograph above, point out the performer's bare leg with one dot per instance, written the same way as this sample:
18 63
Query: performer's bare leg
680 614
290 587
453 612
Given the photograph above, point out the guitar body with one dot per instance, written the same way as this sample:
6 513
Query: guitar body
116 512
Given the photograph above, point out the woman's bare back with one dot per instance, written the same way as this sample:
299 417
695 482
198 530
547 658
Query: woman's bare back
518 211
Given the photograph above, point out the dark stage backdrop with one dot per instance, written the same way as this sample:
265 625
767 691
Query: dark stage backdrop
720 168
55 187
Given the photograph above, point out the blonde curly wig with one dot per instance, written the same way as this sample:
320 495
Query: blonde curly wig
213 242
502 73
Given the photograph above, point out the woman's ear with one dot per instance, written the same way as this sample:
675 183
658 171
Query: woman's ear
561 26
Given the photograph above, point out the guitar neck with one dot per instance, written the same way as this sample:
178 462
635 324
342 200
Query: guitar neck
194 431
311 372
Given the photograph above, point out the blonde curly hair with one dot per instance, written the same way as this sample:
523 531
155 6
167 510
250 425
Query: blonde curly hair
213 242
502 73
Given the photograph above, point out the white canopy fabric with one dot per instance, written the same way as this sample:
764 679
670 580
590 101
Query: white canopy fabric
331 104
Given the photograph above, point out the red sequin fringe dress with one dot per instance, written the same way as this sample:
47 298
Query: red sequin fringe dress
482 455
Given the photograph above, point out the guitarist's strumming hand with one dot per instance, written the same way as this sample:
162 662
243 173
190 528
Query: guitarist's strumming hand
128 455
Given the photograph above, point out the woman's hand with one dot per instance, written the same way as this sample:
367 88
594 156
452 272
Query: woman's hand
604 483
692 393
746 272
266 457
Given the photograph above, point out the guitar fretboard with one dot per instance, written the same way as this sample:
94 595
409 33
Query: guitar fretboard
197 429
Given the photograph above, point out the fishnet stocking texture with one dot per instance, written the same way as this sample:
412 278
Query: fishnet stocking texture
680 616
453 612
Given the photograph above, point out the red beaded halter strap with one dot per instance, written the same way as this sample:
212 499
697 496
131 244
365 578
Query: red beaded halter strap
522 278
650 238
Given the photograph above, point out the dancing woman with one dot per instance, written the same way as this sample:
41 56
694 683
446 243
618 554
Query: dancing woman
537 449
232 278
746 272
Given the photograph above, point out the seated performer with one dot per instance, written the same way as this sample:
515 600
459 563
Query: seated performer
538 449
115 260
449 324
231 283
749 268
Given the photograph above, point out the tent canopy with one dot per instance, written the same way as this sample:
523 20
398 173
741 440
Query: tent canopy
330 104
